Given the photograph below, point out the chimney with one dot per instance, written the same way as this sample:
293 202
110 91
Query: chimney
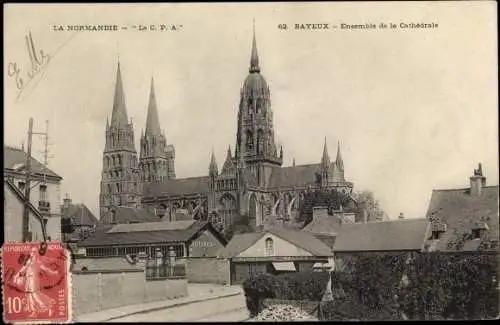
66 201
401 216
477 182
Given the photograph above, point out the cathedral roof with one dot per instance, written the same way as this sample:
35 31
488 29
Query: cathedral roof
178 186
298 175
119 116
152 121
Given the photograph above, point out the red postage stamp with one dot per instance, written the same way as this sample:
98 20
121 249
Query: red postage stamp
36 283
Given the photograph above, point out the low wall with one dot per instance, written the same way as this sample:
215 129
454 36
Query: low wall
208 270
96 291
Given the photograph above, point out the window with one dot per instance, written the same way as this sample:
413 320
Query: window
269 247
436 234
43 193
21 186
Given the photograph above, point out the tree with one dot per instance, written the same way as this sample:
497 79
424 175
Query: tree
367 202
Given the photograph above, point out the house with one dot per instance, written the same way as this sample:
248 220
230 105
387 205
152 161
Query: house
273 250
79 219
44 195
186 237
464 219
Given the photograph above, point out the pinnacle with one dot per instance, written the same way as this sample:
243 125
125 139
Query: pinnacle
119 116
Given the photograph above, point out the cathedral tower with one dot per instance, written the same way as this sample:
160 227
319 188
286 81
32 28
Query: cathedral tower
120 179
255 135
156 159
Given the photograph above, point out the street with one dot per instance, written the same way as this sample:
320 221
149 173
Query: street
224 310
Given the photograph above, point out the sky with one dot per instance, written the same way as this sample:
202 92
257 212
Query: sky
413 109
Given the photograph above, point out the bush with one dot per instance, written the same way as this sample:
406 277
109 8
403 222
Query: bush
260 287
287 286
303 285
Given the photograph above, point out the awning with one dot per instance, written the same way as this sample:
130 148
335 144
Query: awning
284 266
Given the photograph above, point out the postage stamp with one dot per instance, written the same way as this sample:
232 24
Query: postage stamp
36 283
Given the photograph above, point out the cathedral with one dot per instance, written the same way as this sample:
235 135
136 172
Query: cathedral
252 187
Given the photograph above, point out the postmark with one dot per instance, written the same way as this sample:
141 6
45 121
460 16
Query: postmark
36 283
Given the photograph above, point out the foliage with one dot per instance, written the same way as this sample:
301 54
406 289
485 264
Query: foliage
367 202
287 286
332 199
439 286
259 287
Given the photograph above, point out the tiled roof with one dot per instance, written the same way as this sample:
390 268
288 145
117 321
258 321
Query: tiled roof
178 186
103 237
299 175
391 235
14 158
152 226
79 214
460 211
303 240
323 224
239 243
129 215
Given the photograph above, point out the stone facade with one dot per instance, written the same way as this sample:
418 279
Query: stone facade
208 270
251 188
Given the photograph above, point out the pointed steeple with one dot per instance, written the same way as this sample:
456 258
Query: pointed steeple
254 58
107 123
119 116
325 159
212 168
338 161
228 164
152 121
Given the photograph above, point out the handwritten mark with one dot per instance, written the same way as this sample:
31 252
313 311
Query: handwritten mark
38 61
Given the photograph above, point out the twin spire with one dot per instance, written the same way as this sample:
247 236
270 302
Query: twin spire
119 116
325 159
152 120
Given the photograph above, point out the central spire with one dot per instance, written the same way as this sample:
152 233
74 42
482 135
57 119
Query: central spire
152 121
254 58
119 115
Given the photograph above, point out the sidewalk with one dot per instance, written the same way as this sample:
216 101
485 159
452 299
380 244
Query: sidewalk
196 293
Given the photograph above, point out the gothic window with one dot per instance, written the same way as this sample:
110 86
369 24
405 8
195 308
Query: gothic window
260 142
117 188
109 188
249 140
269 247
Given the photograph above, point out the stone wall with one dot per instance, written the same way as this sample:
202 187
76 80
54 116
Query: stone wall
208 270
96 291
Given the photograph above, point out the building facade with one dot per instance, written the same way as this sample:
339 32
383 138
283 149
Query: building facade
45 194
252 187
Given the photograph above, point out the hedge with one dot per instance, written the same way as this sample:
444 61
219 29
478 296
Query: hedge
288 286
438 286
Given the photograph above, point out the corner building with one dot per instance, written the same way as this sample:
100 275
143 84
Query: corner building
251 188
